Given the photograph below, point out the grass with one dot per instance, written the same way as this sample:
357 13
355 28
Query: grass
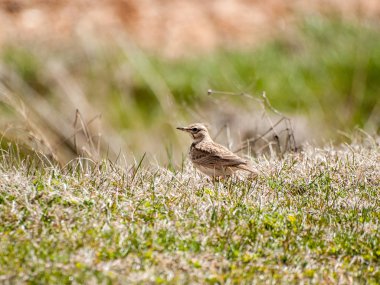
324 64
326 70
312 217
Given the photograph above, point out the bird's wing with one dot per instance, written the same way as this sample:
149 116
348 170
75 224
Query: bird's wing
210 155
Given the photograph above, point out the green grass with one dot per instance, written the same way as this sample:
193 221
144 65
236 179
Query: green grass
312 217
323 63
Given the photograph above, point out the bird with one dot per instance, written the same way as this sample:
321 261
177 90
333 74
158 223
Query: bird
211 158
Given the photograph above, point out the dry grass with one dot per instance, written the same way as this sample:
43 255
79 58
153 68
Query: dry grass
311 217
126 96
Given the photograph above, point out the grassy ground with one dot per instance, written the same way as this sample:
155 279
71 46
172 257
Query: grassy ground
312 217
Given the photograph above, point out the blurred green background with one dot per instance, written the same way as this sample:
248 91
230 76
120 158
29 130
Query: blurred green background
326 71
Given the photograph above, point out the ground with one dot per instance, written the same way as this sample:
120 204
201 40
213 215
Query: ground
311 217
173 28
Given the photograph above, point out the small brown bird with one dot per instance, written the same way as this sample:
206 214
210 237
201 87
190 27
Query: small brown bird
211 158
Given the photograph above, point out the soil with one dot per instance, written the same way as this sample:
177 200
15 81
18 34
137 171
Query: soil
168 27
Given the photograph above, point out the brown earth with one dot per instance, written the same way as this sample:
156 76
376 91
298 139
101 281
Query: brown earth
169 27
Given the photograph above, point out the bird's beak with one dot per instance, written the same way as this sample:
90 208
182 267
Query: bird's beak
182 129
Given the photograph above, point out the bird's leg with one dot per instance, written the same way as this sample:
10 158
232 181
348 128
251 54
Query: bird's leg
215 179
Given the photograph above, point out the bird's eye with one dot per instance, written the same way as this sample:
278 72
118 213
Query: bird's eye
194 129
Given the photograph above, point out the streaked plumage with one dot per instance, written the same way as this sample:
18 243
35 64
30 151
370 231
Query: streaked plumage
211 158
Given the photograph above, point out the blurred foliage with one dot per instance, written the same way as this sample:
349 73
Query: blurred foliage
328 70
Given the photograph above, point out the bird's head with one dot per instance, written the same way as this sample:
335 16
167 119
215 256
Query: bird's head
197 131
